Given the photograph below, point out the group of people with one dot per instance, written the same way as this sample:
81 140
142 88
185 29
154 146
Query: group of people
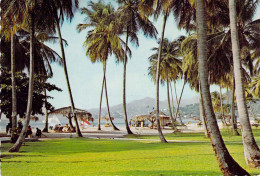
29 132
19 129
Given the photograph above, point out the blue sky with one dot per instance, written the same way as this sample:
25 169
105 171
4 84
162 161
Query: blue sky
86 78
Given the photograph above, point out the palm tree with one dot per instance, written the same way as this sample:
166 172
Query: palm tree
170 66
255 85
251 150
25 11
147 8
233 115
10 33
202 114
44 56
133 21
227 164
28 9
190 71
103 40
60 10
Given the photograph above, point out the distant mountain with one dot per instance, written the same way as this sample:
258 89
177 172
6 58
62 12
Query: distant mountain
146 105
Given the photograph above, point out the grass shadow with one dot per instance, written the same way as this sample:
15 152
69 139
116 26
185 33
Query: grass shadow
164 172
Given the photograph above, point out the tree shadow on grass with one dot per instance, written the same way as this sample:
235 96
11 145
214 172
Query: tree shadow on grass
165 172
6 157
72 146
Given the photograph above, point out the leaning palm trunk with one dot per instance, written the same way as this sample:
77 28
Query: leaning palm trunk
251 150
226 163
45 129
20 140
203 115
233 115
179 101
108 110
70 122
163 140
169 103
14 100
100 103
67 79
124 84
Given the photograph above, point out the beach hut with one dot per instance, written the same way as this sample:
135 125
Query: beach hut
82 115
107 124
164 119
140 120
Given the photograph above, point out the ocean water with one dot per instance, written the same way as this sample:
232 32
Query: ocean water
63 121
59 119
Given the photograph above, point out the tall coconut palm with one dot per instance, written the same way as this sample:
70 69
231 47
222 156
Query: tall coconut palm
14 101
25 11
28 9
6 24
60 10
227 164
133 22
251 150
163 7
170 66
103 40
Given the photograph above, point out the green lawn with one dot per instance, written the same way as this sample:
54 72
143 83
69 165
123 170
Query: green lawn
226 134
112 157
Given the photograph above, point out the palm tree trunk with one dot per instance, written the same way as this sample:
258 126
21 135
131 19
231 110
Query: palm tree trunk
101 95
221 106
226 163
108 110
251 150
172 101
67 79
202 114
179 101
70 122
20 140
14 100
163 140
233 115
169 103
124 84
45 129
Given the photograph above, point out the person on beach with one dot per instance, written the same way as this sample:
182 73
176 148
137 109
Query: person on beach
29 132
20 126
66 128
8 128
38 132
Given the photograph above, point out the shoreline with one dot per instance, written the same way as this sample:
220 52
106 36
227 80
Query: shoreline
108 132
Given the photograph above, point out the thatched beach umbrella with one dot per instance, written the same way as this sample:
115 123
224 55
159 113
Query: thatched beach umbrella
107 118
160 113
35 118
80 114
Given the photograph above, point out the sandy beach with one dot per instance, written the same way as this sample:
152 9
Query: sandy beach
108 132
